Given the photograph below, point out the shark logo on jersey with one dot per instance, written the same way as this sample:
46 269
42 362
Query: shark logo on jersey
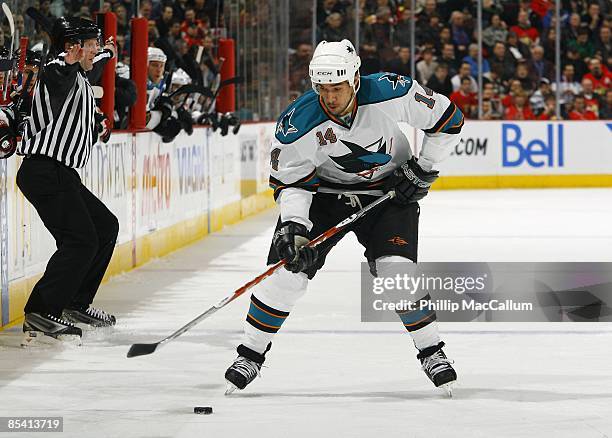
395 79
285 125
360 160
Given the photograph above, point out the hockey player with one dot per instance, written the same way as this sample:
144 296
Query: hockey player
337 148
155 81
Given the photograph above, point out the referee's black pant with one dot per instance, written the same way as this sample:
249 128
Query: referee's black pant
85 233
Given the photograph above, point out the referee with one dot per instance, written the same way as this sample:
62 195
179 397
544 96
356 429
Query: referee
58 139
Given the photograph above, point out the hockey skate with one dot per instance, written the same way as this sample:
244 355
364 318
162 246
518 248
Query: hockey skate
244 370
438 368
48 329
89 317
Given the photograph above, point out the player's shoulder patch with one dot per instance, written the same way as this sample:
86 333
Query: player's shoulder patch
300 117
380 87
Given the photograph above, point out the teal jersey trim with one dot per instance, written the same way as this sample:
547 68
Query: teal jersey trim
381 87
300 118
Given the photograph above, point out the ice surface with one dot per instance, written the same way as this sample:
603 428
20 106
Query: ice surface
328 374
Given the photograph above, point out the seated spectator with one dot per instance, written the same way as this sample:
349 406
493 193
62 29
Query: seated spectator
190 21
465 99
573 57
123 54
380 30
489 94
593 18
550 111
464 72
299 79
502 62
605 112
434 33
516 48
206 10
429 10
497 31
513 89
603 44
123 25
519 109
333 29
549 43
440 81
178 9
599 76
580 111
472 59
445 37
146 7
538 98
569 85
522 74
401 63
489 9
591 99
570 31
370 62
164 22
327 8
582 45
538 66
153 32
403 33
426 66
174 34
525 32
487 111
461 37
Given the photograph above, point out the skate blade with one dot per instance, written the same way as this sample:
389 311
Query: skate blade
230 387
447 388
39 339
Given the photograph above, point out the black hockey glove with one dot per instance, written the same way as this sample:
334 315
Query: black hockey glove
410 182
184 117
103 126
290 240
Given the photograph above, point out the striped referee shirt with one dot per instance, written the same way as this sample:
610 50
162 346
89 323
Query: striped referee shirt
62 123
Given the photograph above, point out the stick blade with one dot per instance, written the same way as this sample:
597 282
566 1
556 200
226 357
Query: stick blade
142 349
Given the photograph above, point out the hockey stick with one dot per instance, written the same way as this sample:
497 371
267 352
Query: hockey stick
144 349
9 75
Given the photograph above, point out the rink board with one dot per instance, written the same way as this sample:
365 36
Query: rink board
167 195
530 154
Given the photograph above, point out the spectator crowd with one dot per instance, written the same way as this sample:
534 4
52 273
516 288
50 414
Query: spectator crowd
519 37
518 52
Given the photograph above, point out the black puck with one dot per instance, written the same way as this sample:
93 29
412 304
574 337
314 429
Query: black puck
204 410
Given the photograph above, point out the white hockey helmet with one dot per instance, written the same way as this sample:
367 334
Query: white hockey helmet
155 54
180 77
334 62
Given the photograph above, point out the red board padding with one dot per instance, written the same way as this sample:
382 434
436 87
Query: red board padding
138 71
108 74
226 101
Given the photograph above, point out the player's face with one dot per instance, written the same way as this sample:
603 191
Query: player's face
336 96
156 71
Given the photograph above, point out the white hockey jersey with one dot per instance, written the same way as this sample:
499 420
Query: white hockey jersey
315 151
